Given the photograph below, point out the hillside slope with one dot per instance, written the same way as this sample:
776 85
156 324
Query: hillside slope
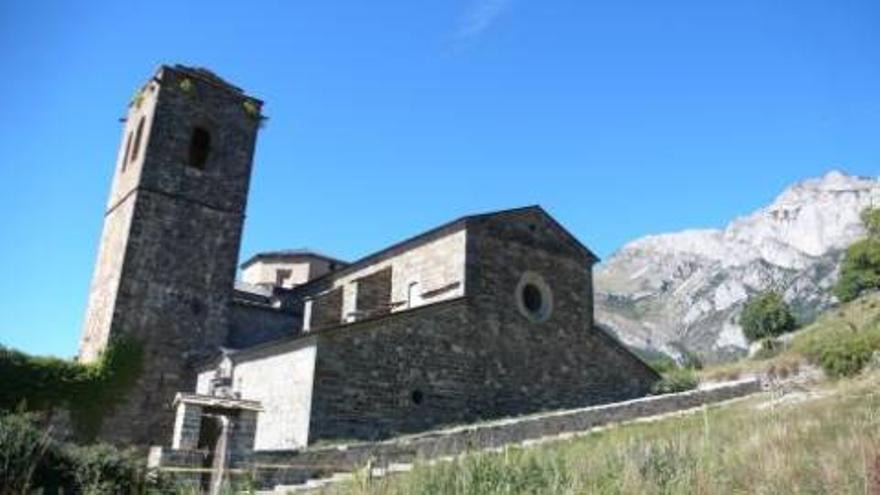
687 288
820 440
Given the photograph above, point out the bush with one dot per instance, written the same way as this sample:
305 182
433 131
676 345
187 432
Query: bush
22 449
37 383
102 468
662 364
766 315
842 352
677 380
871 220
860 270
30 459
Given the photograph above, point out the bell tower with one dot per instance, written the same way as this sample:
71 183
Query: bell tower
172 228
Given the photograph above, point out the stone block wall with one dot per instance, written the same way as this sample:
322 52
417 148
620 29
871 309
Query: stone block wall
402 373
373 296
326 309
434 262
169 251
179 313
253 324
293 467
187 426
555 362
280 377
479 357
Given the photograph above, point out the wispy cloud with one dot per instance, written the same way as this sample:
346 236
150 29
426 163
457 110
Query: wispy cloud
479 17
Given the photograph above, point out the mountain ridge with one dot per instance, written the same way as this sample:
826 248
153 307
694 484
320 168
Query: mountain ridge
685 289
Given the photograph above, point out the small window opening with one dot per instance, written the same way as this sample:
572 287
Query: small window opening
199 148
127 151
138 134
417 397
412 294
281 276
532 298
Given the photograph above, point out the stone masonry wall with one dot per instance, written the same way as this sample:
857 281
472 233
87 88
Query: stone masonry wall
176 261
253 324
373 297
562 361
402 373
296 467
175 311
479 358
280 379
105 281
435 263
327 309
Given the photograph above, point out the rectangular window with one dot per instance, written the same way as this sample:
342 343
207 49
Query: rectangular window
282 276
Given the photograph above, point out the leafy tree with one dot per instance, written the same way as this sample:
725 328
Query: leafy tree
766 315
860 270
871 220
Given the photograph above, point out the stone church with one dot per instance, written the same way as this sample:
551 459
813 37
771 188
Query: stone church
486 316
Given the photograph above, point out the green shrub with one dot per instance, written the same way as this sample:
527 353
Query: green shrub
22 450
677 380
842 351
37 383
766 315
871 220
30 459
662 364
860 269
102 468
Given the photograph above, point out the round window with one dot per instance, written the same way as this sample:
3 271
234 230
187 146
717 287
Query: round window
533 297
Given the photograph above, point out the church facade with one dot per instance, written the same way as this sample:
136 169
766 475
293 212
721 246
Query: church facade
487 316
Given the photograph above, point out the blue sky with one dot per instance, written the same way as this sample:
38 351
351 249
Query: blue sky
622 118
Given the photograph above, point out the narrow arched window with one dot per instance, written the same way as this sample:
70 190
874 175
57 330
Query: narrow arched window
138 134
199 148
127 151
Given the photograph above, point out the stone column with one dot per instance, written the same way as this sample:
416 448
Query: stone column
187 426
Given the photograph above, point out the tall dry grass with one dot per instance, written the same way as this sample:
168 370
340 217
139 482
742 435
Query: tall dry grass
829 444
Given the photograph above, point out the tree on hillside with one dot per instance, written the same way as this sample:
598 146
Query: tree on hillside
766 315
860 270
871 220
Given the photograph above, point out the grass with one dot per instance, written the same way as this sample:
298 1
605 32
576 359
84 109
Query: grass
859 316
829 444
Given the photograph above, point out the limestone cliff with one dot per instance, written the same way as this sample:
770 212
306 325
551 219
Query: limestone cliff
687 288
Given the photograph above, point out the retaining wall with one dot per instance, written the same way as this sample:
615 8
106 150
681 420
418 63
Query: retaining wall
290 467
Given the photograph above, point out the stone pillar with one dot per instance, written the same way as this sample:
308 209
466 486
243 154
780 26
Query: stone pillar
187 426
307 314
244 430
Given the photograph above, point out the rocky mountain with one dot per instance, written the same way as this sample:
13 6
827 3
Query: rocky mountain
686 289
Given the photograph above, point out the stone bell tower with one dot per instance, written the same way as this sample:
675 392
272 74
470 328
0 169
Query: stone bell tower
169 247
